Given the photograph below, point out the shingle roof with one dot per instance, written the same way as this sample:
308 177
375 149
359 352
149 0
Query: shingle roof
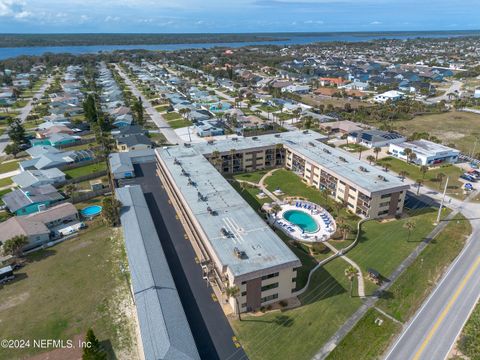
135 139
21 225
164 328
18 199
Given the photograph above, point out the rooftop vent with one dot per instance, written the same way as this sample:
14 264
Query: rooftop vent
210 142
177 162
201 197
211 211
191 182
184 173
305 131
255 138
226 233
311 144
234 139
239 253
327 151
381 177
187 145
362 168
277 135
342 159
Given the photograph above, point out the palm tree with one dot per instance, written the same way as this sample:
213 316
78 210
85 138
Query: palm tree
232 157
423 170
70 190
403 174
440 177
232 292
377 150
351 273
345 230
407 152
412 157
370 159
419 183
276 209
410 225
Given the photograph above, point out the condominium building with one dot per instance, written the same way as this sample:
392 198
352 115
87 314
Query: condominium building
242 250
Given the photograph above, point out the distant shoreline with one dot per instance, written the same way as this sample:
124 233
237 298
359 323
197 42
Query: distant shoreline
107 39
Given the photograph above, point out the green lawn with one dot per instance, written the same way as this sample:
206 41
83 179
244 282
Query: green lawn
254 177
384 245
292 185
413 286
469 342
5 181
8 166
162 108
430 178
85 170
355 148
299 333
405 296
171 116
64 290
367 340
175 124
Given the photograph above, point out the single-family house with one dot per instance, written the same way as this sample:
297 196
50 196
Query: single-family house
375 138
122 164
134 142
39 177
31 199
40 227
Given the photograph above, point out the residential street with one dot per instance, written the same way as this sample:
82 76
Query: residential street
166 130
24 112
433 330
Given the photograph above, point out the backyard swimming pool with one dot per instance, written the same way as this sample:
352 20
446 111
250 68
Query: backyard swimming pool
302 220
91 211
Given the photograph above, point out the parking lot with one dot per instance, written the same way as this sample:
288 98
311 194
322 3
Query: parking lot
210 327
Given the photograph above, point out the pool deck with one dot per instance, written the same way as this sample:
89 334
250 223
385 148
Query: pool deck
318 213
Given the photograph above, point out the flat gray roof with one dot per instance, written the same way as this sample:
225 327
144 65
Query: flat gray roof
309 144
263 248
426 147
163 325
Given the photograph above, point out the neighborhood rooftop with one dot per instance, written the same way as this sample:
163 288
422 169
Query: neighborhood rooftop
163 324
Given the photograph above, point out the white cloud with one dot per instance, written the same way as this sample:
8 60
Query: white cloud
112 18
319 22
12 8
376 23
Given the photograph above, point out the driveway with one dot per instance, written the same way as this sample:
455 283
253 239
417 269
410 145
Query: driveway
210 327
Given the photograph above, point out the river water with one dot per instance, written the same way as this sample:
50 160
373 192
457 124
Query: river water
293 39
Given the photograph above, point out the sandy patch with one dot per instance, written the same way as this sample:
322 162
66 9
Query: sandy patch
14 301
81 245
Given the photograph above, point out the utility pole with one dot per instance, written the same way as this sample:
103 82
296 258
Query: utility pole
441 203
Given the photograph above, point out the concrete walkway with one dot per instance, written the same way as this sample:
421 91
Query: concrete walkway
9 174
361 284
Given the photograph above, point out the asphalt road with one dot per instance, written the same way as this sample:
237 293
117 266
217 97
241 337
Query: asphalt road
210 327
161 123
432 332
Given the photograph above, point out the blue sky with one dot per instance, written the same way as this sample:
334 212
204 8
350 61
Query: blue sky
173 16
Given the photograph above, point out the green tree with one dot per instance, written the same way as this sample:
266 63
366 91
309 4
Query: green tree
94 351
232 292
370 159
70 190
423 170
16 132
351 273
15 245
111 211
377 150
138 111
12 149
90 109
410 225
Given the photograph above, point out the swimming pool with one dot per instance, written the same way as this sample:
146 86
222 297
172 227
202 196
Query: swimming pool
91 211
302 220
